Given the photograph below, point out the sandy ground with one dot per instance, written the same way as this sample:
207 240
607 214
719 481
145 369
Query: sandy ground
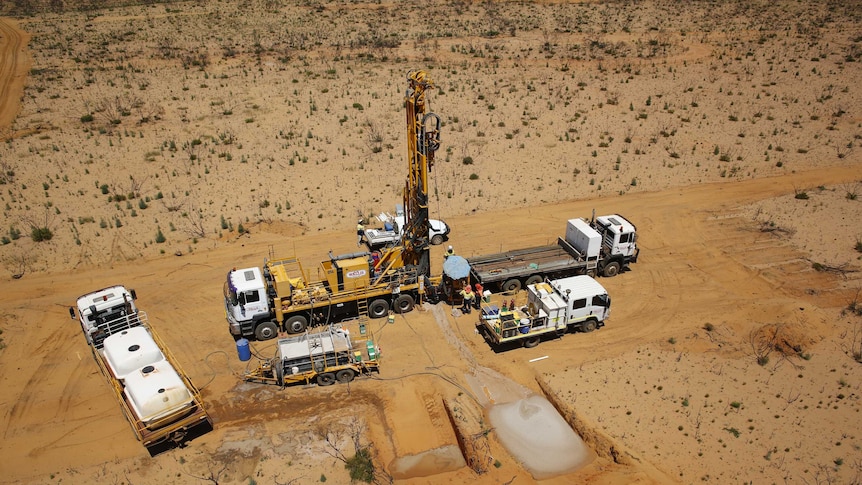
705 130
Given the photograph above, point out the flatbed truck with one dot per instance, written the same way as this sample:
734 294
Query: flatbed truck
604 245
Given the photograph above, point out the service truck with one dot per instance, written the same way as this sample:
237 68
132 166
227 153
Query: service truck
281 295
158 399
393 229
554 307
602 245
325 355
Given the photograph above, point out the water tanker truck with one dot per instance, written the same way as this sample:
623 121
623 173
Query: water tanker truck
158 399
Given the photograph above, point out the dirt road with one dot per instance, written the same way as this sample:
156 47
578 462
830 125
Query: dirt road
700 261
14 66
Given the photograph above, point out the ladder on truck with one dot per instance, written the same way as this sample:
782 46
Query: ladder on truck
363 321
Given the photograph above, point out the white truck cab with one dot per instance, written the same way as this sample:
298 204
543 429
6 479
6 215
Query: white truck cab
577 301
104 312
246 300
620 235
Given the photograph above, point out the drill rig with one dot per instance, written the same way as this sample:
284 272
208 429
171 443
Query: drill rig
423 140
281 295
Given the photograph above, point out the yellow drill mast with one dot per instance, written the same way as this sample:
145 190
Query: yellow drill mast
423 139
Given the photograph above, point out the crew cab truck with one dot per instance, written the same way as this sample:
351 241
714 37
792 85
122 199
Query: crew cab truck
260 301
158 399
325 355
604 245
393 229
553 307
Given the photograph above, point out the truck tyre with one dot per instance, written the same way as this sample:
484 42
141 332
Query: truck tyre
378 308
437 240
266 331
345 375
403 304
532 342
512 285
296 324
611 269
532 280
588 326
325 379
592 273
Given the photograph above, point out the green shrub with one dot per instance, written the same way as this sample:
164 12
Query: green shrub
39 234
160 238
360 466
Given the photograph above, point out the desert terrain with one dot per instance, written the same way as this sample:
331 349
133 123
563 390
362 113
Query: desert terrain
157 146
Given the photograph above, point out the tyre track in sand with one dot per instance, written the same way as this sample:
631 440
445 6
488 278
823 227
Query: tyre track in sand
14 65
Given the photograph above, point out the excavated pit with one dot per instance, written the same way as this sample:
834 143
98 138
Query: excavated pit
529 426
439 460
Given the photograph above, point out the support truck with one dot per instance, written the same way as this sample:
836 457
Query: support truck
392 230
605 245
158 399
554 307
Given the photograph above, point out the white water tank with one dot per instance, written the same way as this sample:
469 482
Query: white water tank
155 391
129 350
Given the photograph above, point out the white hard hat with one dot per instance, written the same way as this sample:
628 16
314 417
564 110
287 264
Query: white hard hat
450 247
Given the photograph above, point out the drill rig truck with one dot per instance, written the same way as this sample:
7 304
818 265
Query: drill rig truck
282 295
157 397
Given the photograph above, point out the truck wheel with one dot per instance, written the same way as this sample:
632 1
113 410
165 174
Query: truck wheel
325 379
592 273
266 331
437 240
345 375
532 280
588 326
378 308
532 342
611 269
296 324
403 304
512 285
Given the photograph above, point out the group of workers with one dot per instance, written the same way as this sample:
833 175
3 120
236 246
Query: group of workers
471 299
